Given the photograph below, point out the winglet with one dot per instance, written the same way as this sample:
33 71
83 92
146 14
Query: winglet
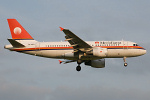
61 29
60 61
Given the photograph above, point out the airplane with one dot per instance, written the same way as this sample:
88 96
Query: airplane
73 49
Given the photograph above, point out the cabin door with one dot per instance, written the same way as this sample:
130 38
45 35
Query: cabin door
37 48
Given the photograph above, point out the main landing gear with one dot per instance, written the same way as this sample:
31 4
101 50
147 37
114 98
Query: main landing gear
78 68
125 64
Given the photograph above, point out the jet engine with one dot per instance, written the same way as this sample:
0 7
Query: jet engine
100 63
100 52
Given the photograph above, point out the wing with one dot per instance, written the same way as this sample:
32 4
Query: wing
75 41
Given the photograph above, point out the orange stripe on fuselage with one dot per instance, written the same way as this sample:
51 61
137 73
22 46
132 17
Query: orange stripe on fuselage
71 48
42 48
122 47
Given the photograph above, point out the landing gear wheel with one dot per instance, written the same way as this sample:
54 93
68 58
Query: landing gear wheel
124 59
125 64
78 68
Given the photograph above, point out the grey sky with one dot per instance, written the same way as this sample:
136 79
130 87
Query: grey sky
26 77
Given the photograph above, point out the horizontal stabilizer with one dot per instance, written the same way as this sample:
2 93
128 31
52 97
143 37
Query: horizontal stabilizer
16 44
65 62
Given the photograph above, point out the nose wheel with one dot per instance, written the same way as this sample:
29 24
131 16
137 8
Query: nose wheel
125 64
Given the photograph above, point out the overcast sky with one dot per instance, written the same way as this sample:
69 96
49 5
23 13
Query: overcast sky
26 77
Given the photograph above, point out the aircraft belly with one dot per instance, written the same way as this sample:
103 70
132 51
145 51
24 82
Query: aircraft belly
112 53
54 53
60 55
32 52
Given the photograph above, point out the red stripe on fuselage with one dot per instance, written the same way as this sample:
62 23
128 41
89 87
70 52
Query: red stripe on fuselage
71 48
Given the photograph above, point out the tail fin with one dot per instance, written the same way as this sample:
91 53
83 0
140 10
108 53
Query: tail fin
17 31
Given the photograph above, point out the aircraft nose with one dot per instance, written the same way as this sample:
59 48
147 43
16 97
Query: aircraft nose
144 51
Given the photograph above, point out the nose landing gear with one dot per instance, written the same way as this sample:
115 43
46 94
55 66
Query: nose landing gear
125 64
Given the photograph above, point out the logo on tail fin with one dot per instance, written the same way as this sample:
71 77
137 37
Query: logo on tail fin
17 30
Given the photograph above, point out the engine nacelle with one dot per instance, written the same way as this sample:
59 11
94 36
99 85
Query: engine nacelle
96 63
100 52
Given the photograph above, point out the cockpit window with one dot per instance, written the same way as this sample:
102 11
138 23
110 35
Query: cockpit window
135 45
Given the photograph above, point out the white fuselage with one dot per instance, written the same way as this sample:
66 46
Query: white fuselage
91 53
63 50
